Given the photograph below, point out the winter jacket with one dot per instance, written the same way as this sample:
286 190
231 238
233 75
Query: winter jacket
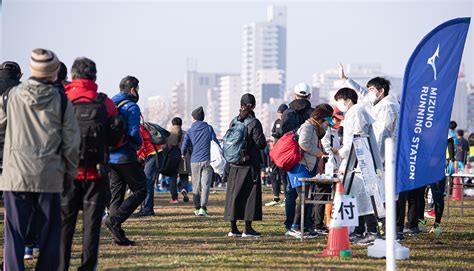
88 88
176 140
256 141
7 81
147 147
309 142
41 145
199 136
303 109
130 113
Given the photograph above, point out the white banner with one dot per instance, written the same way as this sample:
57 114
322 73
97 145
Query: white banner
344 212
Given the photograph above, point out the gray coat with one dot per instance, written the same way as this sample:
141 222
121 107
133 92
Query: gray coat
309 142
40 146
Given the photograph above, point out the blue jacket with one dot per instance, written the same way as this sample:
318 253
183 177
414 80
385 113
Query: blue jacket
199 137
130 113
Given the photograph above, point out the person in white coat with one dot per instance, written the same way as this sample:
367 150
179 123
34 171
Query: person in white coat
382 106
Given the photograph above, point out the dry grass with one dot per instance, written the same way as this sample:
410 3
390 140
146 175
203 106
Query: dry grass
176 239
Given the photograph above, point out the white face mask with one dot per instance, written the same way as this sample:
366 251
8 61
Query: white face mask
342 107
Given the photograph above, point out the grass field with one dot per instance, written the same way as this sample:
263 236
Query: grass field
176 239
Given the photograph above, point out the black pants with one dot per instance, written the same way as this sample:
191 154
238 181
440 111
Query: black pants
319 209
416 201
18 207
308 222
368 222
401 210
174 184
90 196
121 175
277 177
437 190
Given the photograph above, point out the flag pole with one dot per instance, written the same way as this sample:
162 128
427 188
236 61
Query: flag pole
390 217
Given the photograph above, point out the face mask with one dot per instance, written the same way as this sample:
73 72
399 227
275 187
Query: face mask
342 107
373 98
135 98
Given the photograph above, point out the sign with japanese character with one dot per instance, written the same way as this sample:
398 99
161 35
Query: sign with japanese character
344 212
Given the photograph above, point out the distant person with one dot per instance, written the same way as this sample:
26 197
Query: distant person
89 190
244 187
278 176
176 140
199 137
123 162
41 152
462 150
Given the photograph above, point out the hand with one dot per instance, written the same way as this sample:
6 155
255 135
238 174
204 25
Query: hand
335 151
342 75
320 154
183 157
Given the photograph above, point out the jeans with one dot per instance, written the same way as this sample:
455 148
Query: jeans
151 172
290 205
174 184
201 173
121 175
90 196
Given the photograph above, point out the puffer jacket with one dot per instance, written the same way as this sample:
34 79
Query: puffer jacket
130 113
41 146
309 142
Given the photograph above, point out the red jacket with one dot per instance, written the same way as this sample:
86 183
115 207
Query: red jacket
88 88
146 148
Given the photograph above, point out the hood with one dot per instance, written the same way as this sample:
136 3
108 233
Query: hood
200 125
36 94
300 105
78 88
122 96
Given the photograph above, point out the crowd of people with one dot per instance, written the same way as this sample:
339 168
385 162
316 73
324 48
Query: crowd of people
67 147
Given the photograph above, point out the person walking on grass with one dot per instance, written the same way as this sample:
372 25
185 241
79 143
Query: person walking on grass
244 188
176 140
199 137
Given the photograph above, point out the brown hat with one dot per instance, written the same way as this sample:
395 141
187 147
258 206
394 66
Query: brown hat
44 63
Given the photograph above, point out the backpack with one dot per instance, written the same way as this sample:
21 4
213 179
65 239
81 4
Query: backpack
292 121
158 134
93 125
171 161
235 141
286 153
118 131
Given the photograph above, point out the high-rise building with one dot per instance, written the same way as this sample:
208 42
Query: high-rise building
177 99
470 108
264 48
212 110
460 105
269 84
230 91
196 87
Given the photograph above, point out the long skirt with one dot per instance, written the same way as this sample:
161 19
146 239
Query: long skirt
243 199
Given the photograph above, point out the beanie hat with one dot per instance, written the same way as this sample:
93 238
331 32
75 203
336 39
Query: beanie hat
247 99
43 63
198 114
282 108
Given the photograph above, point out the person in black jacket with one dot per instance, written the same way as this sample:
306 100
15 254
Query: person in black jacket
277 175
244 188
10 75
298 112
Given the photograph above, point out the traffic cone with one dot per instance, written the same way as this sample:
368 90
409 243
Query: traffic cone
457 187
327 213
338 239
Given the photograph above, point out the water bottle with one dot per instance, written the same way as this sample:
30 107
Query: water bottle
329 169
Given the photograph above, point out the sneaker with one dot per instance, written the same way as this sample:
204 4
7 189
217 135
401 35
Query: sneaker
294 233
28 253
115 232
272 203
400 236
367 240
174 201
282 203
234 234
251 233
185 195
430 214
411 232
354 237
143 213
436 229
287 232
196 212
202 212
310 234
322 230
422 225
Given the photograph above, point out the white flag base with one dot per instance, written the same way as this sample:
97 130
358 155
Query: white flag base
377 250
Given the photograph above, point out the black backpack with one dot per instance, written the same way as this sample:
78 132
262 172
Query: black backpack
291 121
93 125
171 159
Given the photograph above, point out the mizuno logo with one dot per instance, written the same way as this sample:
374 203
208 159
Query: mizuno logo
432 61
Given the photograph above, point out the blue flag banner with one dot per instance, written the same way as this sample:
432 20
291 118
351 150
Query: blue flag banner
429 86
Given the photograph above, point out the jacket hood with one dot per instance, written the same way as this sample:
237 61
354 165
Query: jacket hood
36 94
122 96
300 105
78 88
200 125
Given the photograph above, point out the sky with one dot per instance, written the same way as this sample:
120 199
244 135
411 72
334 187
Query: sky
152 40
